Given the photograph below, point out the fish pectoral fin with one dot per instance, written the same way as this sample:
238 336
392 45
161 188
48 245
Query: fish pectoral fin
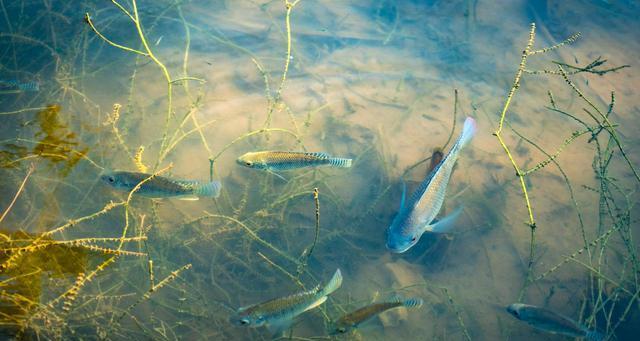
317 303
278 175
445 224
277 328
188 198
404 195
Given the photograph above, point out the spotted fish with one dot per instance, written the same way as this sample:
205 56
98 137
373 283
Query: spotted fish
355 318
278 313
551 322
278 161
418 215
161 187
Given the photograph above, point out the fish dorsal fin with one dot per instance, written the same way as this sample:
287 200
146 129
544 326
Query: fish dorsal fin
187 183
395 298
319 155
278 175
278 327
417 194
404 195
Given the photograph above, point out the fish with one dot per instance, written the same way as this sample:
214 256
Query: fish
160 186
278 313
551 322
20 86
273 161
418 214
355 318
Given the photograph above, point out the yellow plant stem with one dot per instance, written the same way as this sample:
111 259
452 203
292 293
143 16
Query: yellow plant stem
15 197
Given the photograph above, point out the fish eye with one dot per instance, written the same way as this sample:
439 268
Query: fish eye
111 179
342 330
244 321
248 163
414 239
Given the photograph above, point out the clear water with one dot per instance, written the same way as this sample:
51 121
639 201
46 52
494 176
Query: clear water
370 80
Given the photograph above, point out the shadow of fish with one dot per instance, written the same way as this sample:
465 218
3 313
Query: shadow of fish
355 318
417 215
161 187
436 158
278 313
551 322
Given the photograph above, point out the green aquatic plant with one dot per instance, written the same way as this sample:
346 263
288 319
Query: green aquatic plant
616 219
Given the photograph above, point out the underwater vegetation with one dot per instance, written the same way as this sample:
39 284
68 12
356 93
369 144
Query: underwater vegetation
300 126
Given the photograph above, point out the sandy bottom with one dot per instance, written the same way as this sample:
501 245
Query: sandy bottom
378 79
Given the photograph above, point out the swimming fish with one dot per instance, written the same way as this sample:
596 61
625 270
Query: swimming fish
552 322
274 161
417 215
161 187
278 313
355 318
20 86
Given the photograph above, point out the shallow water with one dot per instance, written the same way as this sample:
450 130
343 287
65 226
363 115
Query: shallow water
372 80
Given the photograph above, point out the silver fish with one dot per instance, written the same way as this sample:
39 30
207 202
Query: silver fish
551 322
277 161
278 313
418 214
161 187
356 317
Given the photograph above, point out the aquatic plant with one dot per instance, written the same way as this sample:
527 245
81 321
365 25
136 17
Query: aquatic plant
131 88
597 303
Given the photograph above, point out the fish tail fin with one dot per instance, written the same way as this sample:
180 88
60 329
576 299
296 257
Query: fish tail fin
209 189
593 335
333 284
413 302
340 162
468 131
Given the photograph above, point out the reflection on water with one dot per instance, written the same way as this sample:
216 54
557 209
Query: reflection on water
382 82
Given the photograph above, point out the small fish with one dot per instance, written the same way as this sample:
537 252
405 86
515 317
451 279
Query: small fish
21 86
278 313
161 187
277 161
552 322
355 318
418 215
